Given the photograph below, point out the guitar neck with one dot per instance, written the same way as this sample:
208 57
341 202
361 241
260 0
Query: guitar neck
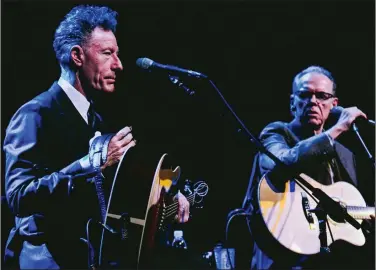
360 212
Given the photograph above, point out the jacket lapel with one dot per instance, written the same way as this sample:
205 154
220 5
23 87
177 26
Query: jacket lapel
66 106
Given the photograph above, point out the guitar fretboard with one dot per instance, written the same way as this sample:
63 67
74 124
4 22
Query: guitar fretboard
360 212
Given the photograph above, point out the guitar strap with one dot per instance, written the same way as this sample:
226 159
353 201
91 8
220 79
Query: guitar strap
97 157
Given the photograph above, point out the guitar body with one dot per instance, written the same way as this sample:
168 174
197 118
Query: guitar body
146 179
142 192
155 210
284 222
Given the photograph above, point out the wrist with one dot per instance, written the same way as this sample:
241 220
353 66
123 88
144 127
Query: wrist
85 163
103 167
335 131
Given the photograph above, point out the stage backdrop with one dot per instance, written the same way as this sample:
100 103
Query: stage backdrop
250 49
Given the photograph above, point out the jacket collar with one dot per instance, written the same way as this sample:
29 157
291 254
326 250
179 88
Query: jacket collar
66 106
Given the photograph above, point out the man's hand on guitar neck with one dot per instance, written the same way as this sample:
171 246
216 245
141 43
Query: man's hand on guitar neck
368 225
183 210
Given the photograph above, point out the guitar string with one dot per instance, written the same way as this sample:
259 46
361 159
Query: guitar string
176 207
201 190
176 202
171 209
361 212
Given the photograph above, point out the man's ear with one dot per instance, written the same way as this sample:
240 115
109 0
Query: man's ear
334 103
77 55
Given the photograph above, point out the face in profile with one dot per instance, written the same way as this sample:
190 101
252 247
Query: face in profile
100 61
313 99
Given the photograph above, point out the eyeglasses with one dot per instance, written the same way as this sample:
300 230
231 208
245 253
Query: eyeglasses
322 96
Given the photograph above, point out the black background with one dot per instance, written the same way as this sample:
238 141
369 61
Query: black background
250 49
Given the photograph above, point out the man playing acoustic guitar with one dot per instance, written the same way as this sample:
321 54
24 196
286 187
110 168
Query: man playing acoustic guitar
50 155
307 148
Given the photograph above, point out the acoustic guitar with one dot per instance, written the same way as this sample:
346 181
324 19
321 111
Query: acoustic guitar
161 208
285 222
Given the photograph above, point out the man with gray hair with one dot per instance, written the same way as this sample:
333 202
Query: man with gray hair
305 147
54 144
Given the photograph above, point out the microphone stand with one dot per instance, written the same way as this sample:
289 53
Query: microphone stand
356 130
327 204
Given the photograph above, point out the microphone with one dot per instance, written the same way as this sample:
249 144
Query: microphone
336 111
146 63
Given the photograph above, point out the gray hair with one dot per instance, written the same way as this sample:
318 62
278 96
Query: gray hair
78 25
313 69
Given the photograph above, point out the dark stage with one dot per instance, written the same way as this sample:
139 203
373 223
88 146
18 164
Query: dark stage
251 50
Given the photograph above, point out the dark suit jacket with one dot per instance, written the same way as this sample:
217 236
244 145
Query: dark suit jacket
305 155
51 208
281 139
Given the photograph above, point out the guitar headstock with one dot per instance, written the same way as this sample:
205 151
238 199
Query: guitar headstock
195 192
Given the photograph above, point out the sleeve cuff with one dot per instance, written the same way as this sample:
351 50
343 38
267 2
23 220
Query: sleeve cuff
331 140
81 166
324 146
85 164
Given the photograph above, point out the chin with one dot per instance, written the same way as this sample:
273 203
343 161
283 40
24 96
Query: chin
109 89
314 124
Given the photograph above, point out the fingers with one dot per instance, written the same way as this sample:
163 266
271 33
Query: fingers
186 215
183 213
123 137
359 113
118 145
123 132
122 148
354 112
348 116
362 114
126 140
131 144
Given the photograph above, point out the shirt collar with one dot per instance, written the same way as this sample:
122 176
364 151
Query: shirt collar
79 101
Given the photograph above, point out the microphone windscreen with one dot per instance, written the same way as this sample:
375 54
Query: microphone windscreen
334 115
336 111
144 63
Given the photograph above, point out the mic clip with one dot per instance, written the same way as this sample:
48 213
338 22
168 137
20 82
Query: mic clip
107 228
175 80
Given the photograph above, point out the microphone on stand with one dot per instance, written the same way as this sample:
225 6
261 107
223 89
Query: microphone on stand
335 113
146 63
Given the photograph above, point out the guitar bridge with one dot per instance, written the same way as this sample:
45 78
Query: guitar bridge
307 212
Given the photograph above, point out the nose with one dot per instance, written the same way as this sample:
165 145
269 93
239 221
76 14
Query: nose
117 65
313 98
